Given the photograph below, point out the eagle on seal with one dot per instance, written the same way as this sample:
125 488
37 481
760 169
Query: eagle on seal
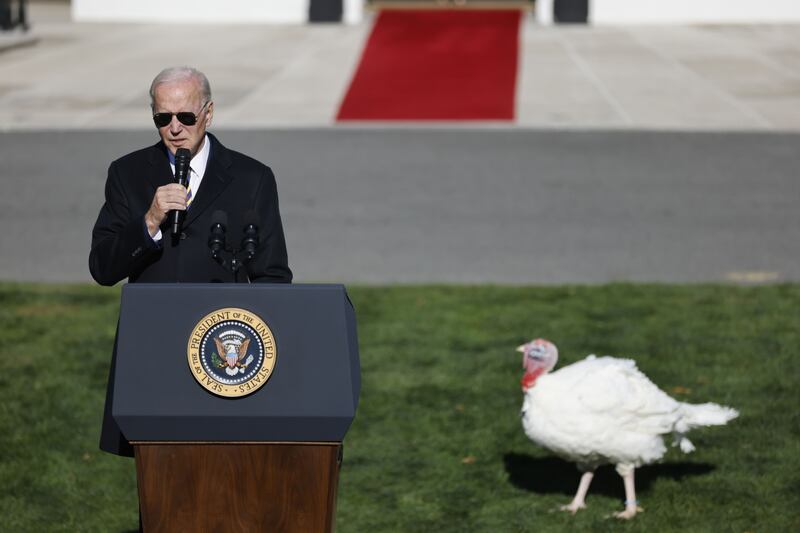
232 356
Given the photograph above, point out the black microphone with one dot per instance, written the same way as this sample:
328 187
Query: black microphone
182 158
216 237
250 239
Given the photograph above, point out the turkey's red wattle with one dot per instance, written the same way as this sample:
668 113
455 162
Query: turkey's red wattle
529 379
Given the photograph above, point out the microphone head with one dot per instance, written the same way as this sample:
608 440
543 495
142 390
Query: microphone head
251 218
182 159
219 217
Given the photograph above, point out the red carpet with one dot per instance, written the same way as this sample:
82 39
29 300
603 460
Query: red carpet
436 65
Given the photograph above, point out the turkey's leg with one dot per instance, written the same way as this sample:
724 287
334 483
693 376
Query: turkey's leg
631 504
579 501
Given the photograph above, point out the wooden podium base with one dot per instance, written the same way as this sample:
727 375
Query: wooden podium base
237 487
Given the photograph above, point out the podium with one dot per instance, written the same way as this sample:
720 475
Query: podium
236 399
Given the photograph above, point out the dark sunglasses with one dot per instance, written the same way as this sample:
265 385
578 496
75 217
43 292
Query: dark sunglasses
187 118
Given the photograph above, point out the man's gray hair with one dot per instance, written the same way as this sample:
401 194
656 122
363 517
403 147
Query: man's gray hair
172 74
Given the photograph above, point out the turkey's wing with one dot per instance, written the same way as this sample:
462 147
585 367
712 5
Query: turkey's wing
616 387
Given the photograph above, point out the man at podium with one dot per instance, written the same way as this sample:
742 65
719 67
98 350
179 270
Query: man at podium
138 236
131 238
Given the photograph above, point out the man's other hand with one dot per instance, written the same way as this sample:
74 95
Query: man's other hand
167 198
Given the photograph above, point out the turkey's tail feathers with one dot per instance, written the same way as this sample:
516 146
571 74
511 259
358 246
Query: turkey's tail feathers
696 415
704 414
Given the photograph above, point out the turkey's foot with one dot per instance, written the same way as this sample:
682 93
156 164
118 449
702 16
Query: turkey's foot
629 512
573 507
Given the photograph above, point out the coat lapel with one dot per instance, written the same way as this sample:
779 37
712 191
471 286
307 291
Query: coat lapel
215 180
162 172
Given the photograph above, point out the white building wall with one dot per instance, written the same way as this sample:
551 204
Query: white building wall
191 11
296 11
693 11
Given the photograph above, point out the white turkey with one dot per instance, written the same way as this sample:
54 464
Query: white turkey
604 410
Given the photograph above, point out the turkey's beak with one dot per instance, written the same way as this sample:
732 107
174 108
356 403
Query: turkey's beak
521 348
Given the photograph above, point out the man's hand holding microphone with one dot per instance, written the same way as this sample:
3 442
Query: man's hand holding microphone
170 197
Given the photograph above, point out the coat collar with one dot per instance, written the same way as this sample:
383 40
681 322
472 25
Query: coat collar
216 178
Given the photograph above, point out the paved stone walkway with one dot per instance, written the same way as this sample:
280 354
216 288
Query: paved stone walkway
92 76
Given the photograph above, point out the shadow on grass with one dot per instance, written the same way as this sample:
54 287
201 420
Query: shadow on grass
551 475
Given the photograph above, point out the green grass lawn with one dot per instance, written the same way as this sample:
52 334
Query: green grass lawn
437 444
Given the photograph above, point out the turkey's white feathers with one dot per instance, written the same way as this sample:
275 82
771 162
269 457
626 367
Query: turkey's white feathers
605 410
704 414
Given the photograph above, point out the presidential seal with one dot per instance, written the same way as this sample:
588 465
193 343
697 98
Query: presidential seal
231 352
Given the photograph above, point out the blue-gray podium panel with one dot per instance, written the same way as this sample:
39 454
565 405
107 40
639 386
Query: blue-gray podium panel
312 394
